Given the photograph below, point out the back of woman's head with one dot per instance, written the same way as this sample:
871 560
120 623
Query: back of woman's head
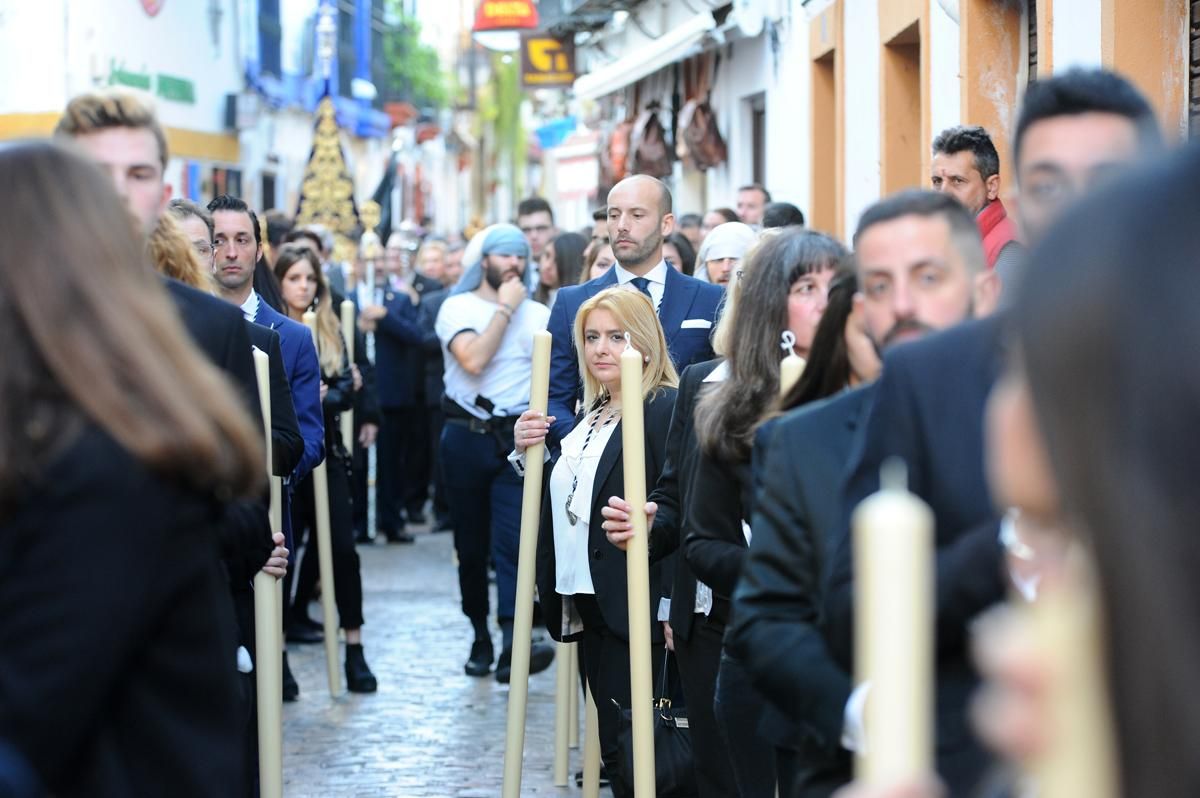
1108 330
568 257
87 324
726 416
827 370
634 313
173 255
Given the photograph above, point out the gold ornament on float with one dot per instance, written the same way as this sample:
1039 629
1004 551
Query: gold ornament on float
327 192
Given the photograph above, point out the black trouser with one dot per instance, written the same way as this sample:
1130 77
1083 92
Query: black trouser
347 578
437 420
389 470
359 465
699 658
604 658
739 710
417 461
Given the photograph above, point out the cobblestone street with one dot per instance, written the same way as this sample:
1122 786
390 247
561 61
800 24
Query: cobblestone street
430 730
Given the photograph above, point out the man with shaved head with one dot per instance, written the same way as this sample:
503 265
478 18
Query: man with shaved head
639 218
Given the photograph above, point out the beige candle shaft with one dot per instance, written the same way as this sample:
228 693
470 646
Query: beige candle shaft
347 311
562 713
893 562
637 570
268 633
531 509
573 714
591 748
320 480
790 369
1082 757
325 567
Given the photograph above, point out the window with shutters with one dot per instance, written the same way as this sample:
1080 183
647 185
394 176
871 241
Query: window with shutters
1194 71
1031 15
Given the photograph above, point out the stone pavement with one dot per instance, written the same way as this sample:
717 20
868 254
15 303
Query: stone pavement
431 730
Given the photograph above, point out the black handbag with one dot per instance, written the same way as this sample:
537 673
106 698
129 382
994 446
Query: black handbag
674 776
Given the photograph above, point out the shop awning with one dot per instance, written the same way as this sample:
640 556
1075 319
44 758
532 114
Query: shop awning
663 51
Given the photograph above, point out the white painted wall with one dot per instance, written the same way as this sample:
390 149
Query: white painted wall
861 41
33 47
789 115
945 89
1076 40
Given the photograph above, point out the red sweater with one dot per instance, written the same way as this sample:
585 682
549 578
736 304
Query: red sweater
996 229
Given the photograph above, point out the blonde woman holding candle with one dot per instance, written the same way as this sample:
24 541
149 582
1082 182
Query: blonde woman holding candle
581 576
304 288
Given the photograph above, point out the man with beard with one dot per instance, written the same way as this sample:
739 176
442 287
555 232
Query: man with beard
639 217
485 327
921 268
1075 131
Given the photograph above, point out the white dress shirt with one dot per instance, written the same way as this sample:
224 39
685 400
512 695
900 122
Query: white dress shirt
572 567
250 306
657 277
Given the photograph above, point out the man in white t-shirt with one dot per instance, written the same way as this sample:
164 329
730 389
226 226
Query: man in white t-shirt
486 328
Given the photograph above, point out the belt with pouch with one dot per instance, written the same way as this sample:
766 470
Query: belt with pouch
455 414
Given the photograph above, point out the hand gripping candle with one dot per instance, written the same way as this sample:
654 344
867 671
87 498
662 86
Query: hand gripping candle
893 620
531 509
268 631
637 569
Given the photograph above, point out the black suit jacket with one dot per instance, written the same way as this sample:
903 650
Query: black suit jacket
670 494
777 607
607 561
435 366
117 647
928 410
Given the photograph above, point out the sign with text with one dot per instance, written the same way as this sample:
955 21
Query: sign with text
505 15
547 61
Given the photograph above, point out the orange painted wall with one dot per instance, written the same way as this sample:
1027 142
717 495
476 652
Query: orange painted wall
990 54
1146 40
828 120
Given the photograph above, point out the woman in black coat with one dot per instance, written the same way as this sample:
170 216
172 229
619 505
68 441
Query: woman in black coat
120 447
786 283
304 287
581 577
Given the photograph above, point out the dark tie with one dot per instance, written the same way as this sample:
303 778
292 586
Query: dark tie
643 285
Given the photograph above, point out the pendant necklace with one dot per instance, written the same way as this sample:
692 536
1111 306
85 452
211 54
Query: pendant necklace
592 427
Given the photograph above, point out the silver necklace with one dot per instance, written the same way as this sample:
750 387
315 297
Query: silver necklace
571 516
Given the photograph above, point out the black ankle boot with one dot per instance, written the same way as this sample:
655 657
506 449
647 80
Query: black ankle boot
359 678
291 690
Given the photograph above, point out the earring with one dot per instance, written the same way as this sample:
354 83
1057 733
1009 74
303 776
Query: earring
647 358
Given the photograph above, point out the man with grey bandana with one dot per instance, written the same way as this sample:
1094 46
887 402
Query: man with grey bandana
486 330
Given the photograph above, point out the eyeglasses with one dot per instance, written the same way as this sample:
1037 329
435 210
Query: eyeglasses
539 228
203 249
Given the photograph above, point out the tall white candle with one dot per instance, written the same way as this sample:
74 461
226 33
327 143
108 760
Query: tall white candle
893 617
637 571
347 313
531 511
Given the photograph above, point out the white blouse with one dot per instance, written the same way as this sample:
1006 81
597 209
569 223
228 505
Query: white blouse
572 566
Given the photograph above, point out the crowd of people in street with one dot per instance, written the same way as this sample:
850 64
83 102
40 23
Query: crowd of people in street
1029 369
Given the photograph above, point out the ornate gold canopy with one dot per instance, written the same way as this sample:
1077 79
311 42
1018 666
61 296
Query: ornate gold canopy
327 192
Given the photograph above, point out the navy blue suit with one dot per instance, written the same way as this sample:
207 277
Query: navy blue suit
683 298
304 375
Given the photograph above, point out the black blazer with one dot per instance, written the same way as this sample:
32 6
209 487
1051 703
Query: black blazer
435 366
777 620
607 561
928 410
676 477
117 648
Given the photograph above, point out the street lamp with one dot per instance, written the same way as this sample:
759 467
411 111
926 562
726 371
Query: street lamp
499 23
326 40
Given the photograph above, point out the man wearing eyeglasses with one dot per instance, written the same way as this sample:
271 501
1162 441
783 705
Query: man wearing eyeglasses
536 220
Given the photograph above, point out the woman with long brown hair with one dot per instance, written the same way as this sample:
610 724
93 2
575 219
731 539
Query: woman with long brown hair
119 446
304 288
786 283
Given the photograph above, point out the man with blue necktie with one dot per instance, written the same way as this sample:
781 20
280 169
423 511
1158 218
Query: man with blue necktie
639 217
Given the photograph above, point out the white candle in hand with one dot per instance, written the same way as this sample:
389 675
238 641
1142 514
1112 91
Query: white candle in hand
792 365
893 618
637 571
